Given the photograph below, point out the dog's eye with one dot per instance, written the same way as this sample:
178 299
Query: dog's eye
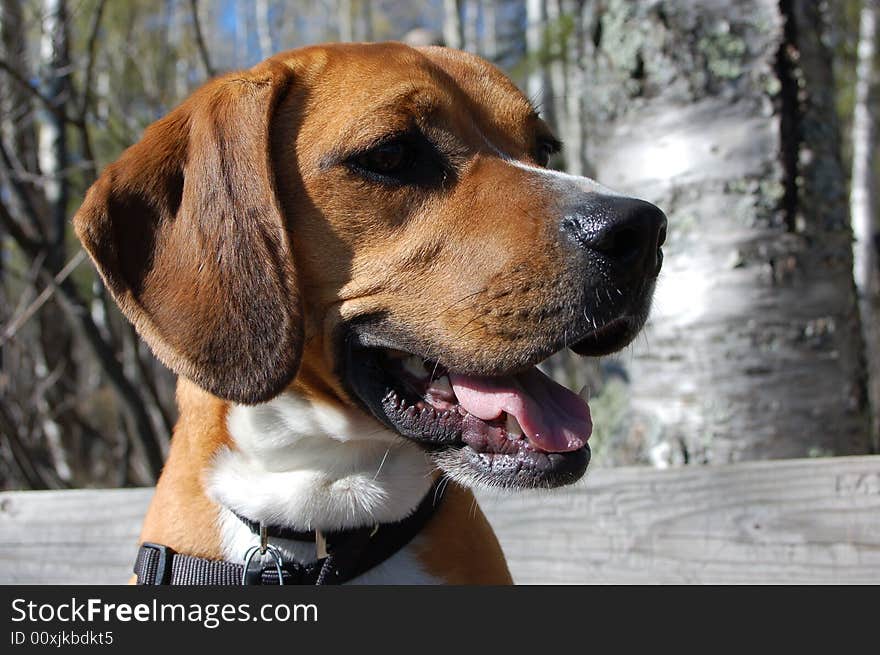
546 149
388 159
407 159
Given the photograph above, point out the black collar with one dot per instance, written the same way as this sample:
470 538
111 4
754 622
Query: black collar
349 554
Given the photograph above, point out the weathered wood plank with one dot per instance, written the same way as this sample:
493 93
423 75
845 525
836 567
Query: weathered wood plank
787 521
70 537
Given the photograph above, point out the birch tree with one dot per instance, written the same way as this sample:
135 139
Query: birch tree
723 115
863 203
470 12
70 411
264 32
537 83
489 9
345 19
453 34
53 145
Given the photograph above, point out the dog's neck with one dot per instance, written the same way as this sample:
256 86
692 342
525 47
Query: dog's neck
312 465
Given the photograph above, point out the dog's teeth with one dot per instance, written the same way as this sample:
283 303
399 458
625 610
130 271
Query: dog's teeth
584 393
442 384
512 426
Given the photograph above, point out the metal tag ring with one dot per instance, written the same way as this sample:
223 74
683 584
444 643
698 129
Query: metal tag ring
268 548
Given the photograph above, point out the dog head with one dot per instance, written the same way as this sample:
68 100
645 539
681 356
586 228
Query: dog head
376 224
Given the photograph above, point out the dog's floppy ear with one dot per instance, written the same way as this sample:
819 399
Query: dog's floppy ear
186 231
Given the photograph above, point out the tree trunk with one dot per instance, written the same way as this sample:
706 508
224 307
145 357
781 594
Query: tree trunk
538 82
452 27
264 32
723 114
17 124
557 53
365 21
54 52
470 23
578 48
54 356
490 29
15 106
345 18
202 45
863 206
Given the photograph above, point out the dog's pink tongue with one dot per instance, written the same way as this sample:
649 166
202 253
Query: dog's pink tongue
553 418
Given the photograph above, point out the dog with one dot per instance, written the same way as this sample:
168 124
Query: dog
354 256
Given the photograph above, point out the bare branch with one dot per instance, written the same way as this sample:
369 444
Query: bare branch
21 455
30 282
25 202
149 382
81 122
16 323
91 49
48 102
200 41
25 241
82 324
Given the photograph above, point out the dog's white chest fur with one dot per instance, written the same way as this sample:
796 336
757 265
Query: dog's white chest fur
311 466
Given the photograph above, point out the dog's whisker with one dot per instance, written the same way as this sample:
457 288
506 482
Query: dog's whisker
462 299
382 463
461 332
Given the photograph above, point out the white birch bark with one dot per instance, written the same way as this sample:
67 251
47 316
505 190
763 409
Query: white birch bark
863 205
53 358
534 30
723 115
242 32
345 17
364 20
452 27
490 29
470 24
557 71
264 31
52 140
574 126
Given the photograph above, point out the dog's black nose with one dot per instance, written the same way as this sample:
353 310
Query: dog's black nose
626 231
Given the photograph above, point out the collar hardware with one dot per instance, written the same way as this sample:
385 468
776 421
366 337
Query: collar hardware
320 545
346 555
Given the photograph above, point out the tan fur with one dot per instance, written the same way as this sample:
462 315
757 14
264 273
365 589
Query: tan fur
234 211
181 515
459 546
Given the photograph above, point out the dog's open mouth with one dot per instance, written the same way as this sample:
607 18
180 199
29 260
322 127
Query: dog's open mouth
518 430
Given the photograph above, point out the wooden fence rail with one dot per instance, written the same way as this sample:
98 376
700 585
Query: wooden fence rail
790 521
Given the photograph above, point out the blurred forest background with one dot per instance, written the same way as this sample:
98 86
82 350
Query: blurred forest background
753 124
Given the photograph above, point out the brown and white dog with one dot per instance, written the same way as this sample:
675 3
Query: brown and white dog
354 256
